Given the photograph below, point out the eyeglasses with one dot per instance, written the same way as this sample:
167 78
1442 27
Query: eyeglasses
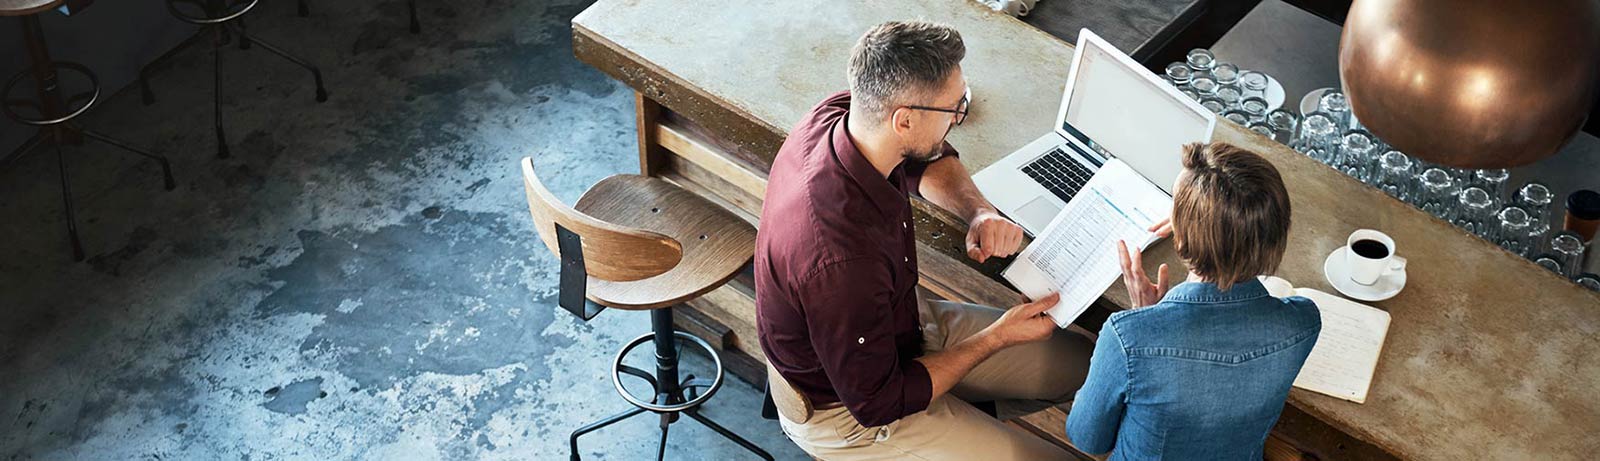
960 110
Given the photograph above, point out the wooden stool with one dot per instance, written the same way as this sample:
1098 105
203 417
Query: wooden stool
52 109
640 243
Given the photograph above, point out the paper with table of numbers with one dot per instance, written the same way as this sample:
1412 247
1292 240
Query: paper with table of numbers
1346 354
1076 255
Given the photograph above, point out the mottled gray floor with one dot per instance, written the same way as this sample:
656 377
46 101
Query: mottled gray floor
360 281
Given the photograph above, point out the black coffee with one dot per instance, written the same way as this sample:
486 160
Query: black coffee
1370 249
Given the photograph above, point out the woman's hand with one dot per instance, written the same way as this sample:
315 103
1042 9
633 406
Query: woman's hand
1141 292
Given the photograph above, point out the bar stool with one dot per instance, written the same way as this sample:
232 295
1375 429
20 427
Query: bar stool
640 243
53 111
222 18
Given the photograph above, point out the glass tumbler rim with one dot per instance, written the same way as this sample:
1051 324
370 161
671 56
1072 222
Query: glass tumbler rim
1535 198
1253 80
1435 178
1394 160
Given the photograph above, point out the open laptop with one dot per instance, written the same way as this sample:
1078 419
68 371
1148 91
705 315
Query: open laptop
1112 108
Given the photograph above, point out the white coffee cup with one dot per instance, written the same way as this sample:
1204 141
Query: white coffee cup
1366 268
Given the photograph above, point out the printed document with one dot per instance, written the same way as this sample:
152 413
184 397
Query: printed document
1076 255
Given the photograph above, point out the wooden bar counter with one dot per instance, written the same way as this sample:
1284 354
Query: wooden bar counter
1488 356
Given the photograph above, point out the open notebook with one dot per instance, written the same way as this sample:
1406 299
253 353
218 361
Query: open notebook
1346 354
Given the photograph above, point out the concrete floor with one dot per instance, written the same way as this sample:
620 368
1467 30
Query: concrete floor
361 279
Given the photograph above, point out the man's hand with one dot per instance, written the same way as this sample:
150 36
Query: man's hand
1141 292
1024 323
990 234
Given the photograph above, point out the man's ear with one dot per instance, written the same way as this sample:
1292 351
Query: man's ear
900 121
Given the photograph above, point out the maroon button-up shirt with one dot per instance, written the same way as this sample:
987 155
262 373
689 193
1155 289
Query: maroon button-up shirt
836 273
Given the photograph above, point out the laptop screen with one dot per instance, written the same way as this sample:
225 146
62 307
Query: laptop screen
1131 113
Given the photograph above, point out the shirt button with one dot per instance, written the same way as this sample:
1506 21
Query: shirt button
905 224
861 340
907 258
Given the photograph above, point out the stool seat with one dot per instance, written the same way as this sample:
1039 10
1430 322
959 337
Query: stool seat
715 242
27 7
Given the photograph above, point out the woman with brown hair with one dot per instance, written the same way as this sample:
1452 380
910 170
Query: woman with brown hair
1201 372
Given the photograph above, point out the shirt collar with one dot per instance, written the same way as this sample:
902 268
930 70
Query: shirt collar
1206 292
889 196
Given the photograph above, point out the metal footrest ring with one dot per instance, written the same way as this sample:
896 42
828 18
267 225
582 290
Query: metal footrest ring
709 389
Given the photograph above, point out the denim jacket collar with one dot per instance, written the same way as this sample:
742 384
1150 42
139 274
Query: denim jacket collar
1206 292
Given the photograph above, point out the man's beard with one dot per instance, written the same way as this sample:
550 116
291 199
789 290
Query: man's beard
925 155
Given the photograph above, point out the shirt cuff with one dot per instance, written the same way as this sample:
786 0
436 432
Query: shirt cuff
917 388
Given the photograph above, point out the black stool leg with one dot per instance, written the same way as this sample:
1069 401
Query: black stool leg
66 199
322 93
416 27
694 413
23 149
661 450
166 167
216 95
594 426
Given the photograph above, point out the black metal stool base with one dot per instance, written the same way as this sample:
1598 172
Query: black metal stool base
671 395
55 111
225 26
56 135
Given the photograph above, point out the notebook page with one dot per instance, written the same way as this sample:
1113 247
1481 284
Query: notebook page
1077 252
1346 354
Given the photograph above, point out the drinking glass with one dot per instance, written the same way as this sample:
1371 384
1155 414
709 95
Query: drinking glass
1335 104
1535 198
1225 73
1204 85
1394 176
1476 211
1230 95
1189 92
1548 261
1237 116
1200 60
1357 155
1256 107
1493 181
1216 106
1179 73
1254 84
1261 127
1319 137
1590 281
1285 125
1436 193
1512 232
1568 250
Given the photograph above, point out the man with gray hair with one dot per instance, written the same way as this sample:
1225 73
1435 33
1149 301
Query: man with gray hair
891 375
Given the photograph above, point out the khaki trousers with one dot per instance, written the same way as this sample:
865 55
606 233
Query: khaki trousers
1020 379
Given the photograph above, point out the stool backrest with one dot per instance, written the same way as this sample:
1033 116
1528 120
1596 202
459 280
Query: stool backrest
610 251
790 402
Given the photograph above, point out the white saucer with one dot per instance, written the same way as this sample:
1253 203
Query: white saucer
1308 104
1386 287
1274 94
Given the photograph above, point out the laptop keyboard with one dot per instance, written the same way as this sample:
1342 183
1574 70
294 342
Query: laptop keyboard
1061 174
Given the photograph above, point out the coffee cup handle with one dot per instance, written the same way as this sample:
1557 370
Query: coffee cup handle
1397 263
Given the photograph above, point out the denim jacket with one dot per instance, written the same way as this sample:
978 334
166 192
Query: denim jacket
1201 375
